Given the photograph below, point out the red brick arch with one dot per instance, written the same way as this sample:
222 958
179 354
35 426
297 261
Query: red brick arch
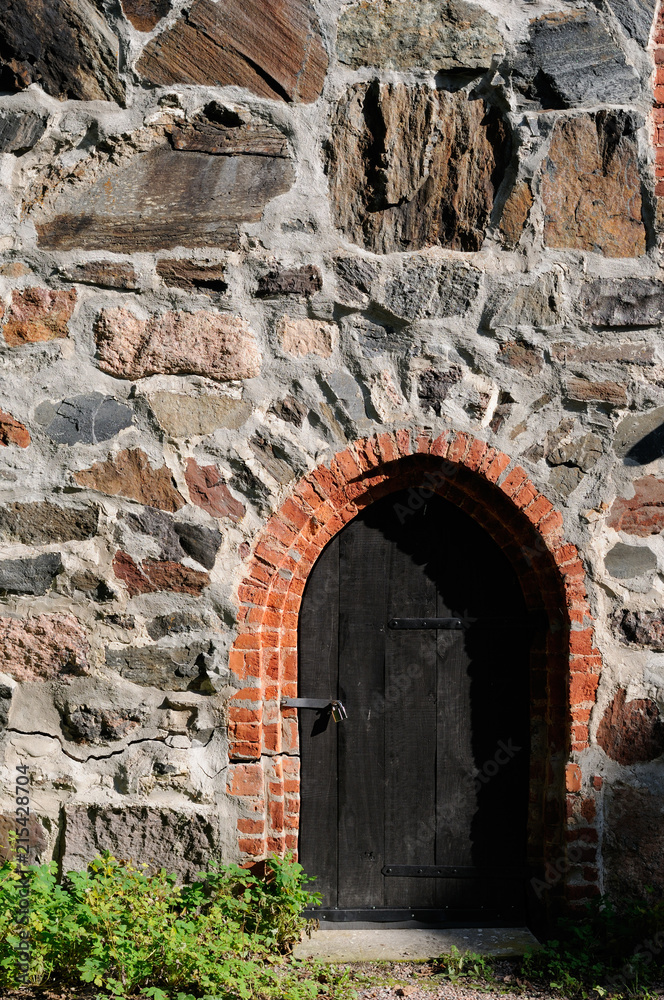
565 665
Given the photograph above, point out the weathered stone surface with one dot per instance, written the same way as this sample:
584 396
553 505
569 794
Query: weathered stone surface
192 416
633 843
88 419
154 575
217 345
521 357
584 453
640 437
645 628
129 474
13 269
43 648
104 273
642 514
302 281
36 840
565 479
601 392
29 576
307 336
515 213
625 562
94 726
20 131
271 48
623 301
446 35
165 669
145 14
222 132
38 314
538 305
622 354
161 199
42 523
181 842
65 46
12 431
193 275
433 387
174 624
636 17
290 411
591 186
273 457
377 339
410 167
571 59
631 732
208 490
6 694
177 539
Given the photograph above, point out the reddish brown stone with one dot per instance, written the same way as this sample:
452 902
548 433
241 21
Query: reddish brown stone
35 842
596 392
270 47
515 213
154 575
628 354
129 474
521 357
631 732
591 186
633 845
42 648
646 628
105 273
192 274
145 14
38 314
13 432
642 514
207 490
303 281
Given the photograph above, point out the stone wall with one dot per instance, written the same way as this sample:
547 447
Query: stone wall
241 238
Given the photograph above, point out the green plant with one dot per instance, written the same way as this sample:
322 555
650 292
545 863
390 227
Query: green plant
455 964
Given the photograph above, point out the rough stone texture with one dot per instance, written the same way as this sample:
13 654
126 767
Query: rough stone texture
165 669
628 354
153 575
29 576
446 35
65 46
571 60
631 732
174 624
601 392
410 167
639 438
145 14
271 48
642 514
193 275
433 387
623 302
12 431
645 628
94 726
300 337
515 213
6 693
182 842
636 17
290 411
129 474
43 648
584 453
208 490
538 305
38 314
183 416
521 357
104 273
43 523
177 539
160 199
633 842
303 281
625 562
88 419
20 132
217 345
37 839
591 186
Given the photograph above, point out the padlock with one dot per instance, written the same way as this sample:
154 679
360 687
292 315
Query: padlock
339 713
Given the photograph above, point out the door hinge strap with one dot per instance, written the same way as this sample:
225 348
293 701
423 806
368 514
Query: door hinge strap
452 871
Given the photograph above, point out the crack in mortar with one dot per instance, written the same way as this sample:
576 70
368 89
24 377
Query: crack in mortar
106 756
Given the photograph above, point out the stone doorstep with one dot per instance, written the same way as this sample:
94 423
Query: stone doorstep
371 944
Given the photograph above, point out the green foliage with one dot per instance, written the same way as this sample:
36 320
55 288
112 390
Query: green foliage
455 965
133 933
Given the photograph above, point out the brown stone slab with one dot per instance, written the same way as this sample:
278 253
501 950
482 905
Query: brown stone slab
246 140
145 14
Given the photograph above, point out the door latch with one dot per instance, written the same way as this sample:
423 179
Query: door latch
334 706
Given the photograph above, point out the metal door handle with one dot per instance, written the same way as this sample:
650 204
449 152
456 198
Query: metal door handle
336 708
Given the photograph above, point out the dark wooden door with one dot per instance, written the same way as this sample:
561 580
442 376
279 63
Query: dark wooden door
430 769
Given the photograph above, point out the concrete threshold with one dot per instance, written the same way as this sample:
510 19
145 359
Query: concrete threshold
371 943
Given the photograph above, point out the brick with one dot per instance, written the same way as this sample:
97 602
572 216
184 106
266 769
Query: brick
240 751
276 814
581 893
251 847
457 448
597 782
245 779
237 713
276 845
245 825
580 664
402 438
564 554
294 513
581 642
387 447
538 509
245 731
249 694
514 480
497 467
573 778
249 593
422 442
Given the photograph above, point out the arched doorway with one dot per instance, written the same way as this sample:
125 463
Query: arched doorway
417 804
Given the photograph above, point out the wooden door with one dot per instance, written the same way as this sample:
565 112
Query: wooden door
418 801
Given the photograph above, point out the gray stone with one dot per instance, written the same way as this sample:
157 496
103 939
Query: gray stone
639 438
538 306
165 669
88 419
623 301
598 353
418 289
445 35
273 457
193 416
19 132
290 410
180 842
6 693
584 453
433 387
565 479
376 339
355 279
174 624
29 576
302 281
177 539
633 844
571 60
44 523
85 725
636 17
624 562
345 391
200 544
643 628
